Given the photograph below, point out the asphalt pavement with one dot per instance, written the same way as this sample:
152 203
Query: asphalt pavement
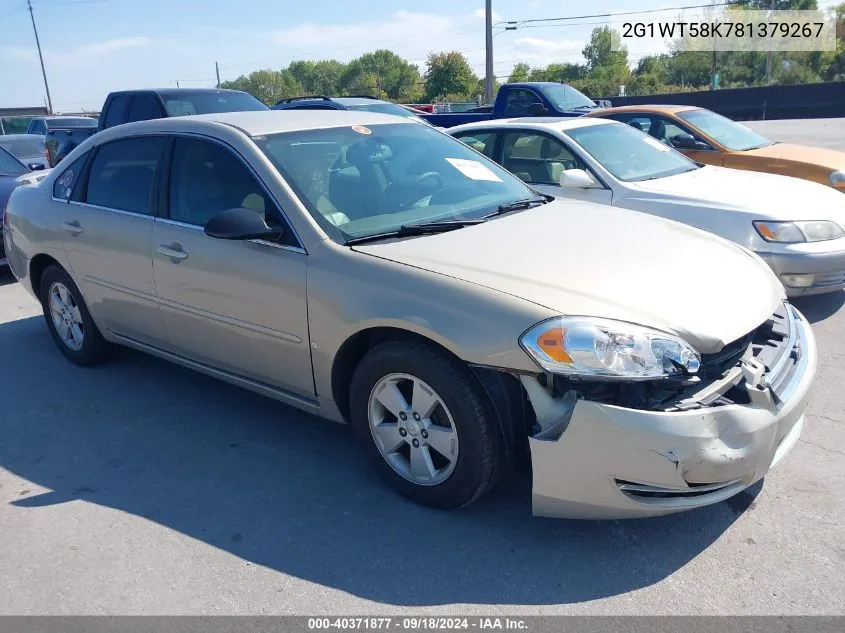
143 488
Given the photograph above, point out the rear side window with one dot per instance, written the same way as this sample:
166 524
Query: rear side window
143 108
116 111
64 184
122 174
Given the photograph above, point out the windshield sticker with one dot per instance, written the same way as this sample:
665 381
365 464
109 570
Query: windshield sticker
655 143
361 129
473 169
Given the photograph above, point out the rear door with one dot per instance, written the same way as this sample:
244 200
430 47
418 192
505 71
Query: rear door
108 230
239 306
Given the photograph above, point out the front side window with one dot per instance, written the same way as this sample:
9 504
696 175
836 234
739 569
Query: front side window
360 181
628 154
519 102
143 108
64 184
116 110
206 178
122 174
537 158
728 133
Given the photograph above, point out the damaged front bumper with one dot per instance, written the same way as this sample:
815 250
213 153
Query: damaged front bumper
597 460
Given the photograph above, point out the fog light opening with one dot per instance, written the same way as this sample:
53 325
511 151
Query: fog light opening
798 280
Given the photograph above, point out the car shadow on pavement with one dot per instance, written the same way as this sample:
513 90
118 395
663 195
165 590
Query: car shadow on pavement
819 307
291 492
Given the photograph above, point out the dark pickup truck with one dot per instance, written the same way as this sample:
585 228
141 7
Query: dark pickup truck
61 133
143 105
528 99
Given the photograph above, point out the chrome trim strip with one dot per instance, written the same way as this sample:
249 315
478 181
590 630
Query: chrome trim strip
213 316
117 288
184 225
195 227
131 214
262 388
692 490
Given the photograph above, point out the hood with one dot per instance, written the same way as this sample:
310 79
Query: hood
774 197
801 153
578 258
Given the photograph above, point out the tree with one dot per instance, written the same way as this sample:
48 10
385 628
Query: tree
520 72
383 73
268 86
600 52
563 73
449 73
779 5
318 77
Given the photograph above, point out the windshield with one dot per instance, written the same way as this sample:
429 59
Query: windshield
728 133
629 154
24 147
70 122
384 108
181 104
10 166
359 181
567 98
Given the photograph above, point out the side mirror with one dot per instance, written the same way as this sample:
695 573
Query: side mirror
241 224
684 141
577 179
36 166
537 109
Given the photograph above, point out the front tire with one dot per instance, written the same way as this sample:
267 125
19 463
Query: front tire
69 321
426 424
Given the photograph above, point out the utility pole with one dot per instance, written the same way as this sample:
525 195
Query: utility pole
217 69
41 58
488 74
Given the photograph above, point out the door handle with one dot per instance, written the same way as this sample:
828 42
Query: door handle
72 227
173 251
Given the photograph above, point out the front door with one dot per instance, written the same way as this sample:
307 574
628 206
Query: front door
107 230
239 306
539 159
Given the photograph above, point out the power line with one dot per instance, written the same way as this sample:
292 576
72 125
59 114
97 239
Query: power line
608 15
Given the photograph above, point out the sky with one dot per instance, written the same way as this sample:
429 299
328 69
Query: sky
92 47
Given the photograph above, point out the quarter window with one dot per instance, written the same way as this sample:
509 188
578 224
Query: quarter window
143 108
63 186
537 158
207 178
116 110
122 174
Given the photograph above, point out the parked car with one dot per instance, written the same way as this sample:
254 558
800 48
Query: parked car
368 269
529 99
27 148
13 173
710 138
43 124
795 226
127 106
360 103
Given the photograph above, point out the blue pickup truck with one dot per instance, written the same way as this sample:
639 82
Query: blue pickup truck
533 98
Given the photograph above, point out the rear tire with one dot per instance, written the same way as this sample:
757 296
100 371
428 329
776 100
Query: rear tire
436 440
69 321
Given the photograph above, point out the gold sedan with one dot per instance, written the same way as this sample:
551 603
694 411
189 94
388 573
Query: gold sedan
712 139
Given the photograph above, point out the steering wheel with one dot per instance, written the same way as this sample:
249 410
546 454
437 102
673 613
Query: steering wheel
420 180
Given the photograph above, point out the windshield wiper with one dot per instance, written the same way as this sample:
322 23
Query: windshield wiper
518 205
425 228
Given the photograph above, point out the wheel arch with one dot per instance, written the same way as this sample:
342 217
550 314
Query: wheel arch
37 266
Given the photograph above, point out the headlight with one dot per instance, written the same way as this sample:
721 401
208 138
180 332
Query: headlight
837 177
792 232
588 347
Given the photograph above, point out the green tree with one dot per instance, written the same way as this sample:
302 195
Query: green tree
449 73
268 86
599 52
563 73
383 73
779 5
520 72
318 77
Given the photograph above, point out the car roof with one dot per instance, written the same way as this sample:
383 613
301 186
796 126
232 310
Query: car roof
649 108
263 122
534 123
172 91
16 137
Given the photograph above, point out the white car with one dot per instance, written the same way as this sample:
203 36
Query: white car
795 225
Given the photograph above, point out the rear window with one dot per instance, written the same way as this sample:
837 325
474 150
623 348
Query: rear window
24 147
70 122
182 104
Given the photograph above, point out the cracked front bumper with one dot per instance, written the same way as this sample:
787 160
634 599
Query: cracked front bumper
611 462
